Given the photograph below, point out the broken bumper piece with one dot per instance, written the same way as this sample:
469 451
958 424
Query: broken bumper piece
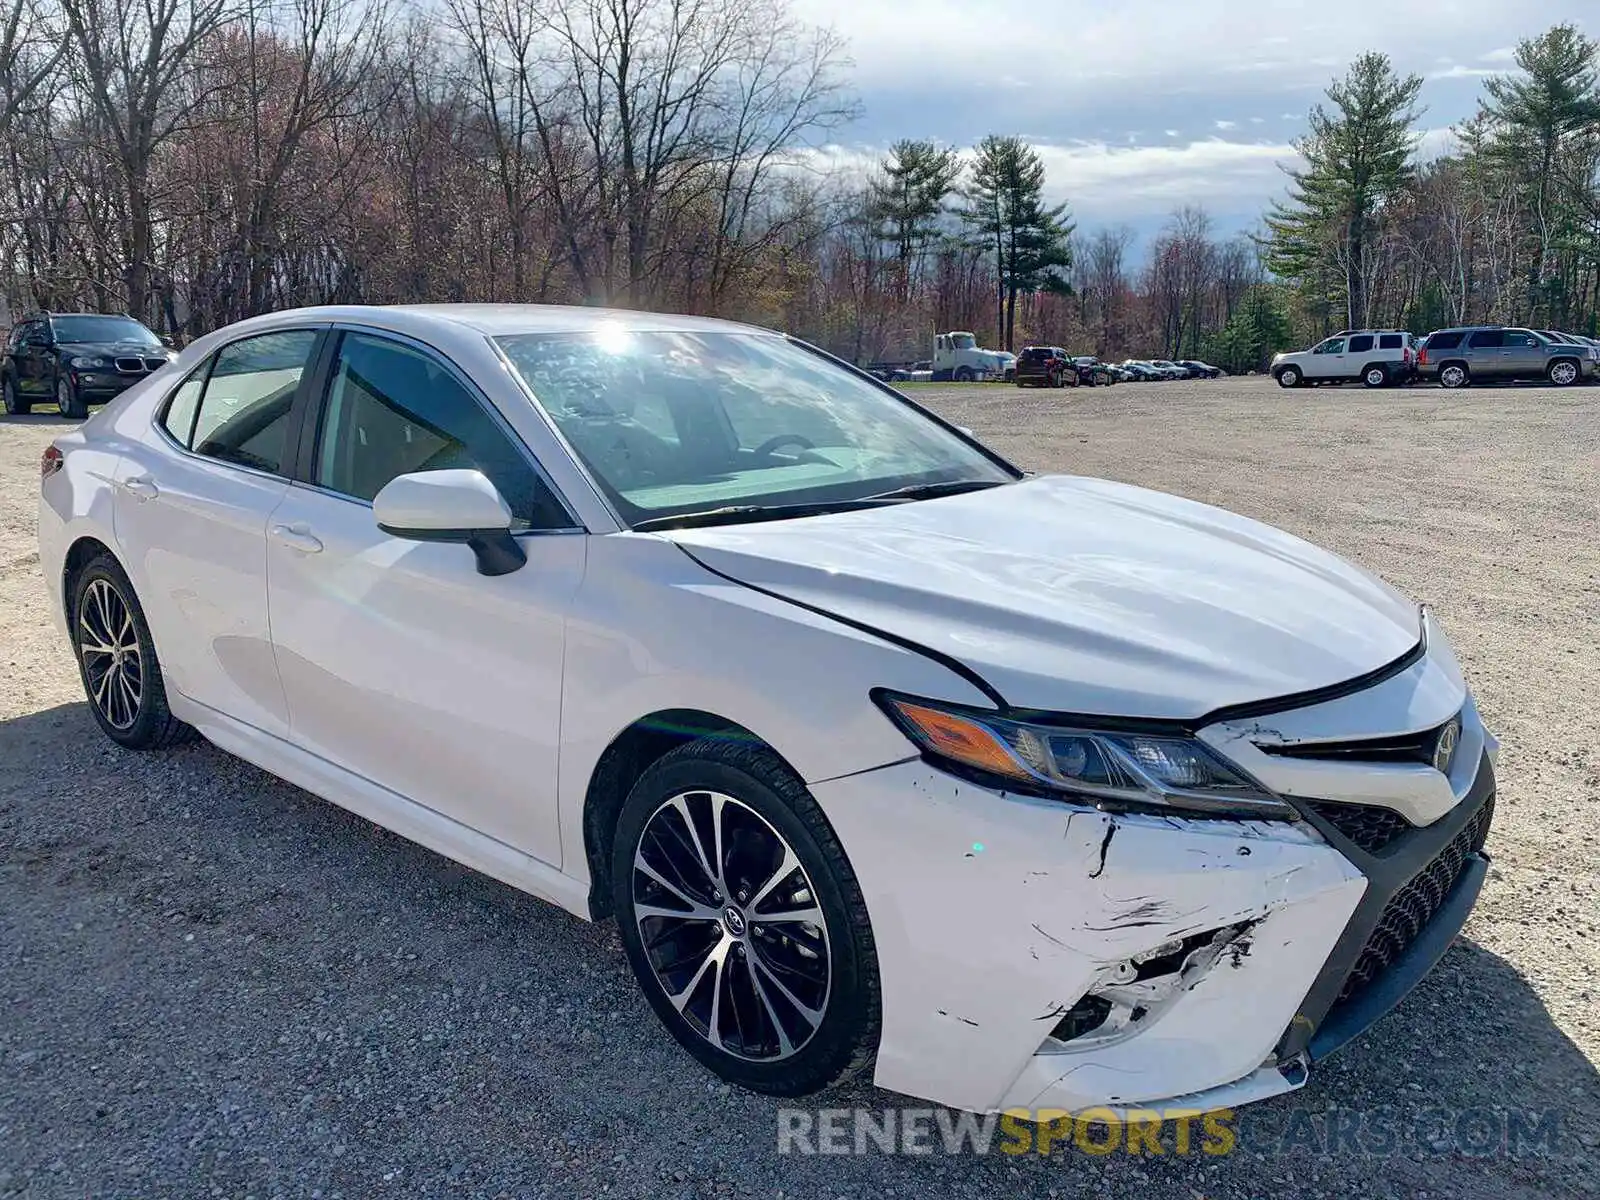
1038 956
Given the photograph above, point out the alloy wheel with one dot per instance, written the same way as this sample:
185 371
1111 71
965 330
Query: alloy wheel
731 925
1453 376
108 644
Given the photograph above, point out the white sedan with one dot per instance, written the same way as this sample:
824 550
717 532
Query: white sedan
1019 792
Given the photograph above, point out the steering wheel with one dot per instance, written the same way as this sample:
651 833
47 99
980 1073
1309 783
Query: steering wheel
765 450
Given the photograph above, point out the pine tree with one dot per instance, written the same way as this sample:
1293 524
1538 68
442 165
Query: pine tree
1358 159
907 200
1006 208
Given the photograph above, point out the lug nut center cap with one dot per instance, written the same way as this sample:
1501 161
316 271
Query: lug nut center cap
733 921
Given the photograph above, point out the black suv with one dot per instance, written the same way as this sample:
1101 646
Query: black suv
1456 357
76 359
1045 366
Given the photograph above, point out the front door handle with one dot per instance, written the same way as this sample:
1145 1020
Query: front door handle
141 486
296 537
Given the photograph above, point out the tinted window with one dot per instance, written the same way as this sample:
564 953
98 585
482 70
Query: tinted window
1444 341
393 410
244 410
1035 354
1389 341
1360 342
1486 339
178 420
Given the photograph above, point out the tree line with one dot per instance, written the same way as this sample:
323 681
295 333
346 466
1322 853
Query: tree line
192 162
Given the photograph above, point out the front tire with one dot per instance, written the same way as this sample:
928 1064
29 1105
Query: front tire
70 400
117 660
15 405
743 921
1563 372
1289 377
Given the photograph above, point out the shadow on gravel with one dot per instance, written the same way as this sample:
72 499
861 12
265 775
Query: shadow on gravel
210 979
38 418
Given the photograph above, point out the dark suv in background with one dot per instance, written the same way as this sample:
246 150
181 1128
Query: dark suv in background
1456 357
1045 366
76 359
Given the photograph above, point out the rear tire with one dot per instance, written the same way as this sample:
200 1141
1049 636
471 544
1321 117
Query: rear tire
117 660
741 806
1290 377
1375 376
70 401
1563 372
16 406
1454 375
963 375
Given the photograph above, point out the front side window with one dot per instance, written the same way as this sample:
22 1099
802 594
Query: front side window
393 410
244 409
754 420
1331 346
1521 338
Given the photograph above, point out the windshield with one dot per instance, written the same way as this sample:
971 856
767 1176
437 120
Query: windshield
963 341
670 422
102 329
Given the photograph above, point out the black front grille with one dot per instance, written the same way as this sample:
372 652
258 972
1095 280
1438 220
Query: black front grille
154 364
1369 826
130 366
1414 905
1404 748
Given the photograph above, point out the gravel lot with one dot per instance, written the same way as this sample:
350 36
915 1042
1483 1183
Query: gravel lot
214 984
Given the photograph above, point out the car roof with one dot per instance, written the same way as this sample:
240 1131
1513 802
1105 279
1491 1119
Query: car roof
494 320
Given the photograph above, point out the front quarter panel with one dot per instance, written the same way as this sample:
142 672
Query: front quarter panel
652 630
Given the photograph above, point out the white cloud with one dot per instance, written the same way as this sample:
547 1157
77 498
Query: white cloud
1506 54
1105 182
1460 72
1171 133
1225 125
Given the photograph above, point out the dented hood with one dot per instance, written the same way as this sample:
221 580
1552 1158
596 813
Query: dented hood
1082 595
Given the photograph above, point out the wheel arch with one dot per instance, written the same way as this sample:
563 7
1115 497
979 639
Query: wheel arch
1565 358
83 550
627 757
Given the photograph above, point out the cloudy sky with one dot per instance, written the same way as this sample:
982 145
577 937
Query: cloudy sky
1138 106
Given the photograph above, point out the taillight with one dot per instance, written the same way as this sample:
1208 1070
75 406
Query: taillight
51 461
1422 357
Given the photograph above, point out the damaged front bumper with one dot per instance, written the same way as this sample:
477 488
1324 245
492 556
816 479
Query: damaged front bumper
1045 957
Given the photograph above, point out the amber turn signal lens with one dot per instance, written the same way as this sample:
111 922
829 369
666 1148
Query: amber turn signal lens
960 740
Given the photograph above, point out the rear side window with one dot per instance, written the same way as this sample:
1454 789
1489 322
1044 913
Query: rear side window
1486 339
1390 341
1360 343
178 420
1444 341
243 416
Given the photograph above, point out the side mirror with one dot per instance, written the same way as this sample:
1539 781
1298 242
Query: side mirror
168 342
451 506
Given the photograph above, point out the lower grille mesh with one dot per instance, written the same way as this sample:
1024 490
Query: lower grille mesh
1369 826
1414 905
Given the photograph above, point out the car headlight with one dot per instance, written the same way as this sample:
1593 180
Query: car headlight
1111 767
85 363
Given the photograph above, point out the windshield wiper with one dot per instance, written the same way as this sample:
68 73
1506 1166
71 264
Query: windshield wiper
734 513
930 491
731 514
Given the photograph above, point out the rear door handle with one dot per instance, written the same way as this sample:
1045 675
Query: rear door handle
141 486
296 537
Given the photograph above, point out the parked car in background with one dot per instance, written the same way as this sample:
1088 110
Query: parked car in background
1460 355
1200 370
1074 793
1169 369
1142 372
1092 372
1376 357
958 358
75 360
1045 366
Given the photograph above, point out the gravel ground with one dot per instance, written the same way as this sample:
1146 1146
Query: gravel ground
214 984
